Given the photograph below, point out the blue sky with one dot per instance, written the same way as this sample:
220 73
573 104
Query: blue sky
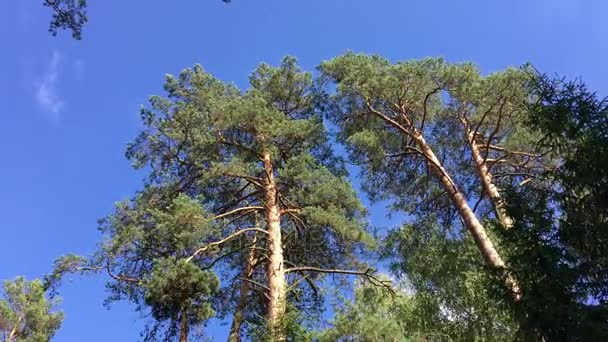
69 107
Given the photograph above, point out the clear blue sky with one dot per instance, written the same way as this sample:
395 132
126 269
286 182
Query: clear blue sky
69 107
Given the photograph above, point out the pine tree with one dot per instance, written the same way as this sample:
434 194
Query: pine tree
234 175
26 312
392 118
264 151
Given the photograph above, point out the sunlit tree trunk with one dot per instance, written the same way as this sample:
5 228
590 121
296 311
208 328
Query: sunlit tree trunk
483 242
276 270
489 188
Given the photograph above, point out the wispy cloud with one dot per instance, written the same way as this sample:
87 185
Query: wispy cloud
47 88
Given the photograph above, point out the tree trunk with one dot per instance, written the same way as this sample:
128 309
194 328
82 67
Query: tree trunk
483 242
276 270
489 188
237 320
183 326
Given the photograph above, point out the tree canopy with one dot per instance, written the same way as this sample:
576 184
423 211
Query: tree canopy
247 212
26 312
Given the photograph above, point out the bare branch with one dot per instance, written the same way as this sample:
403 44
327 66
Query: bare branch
121 277
502 149
251 208
424 106
295 283
367 274
228 238
255 283
388 120
252 179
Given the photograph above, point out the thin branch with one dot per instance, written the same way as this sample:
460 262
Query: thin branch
251 208
424 107
256 283
121 277
502 149
367 274
229 237
225 255
295 283
389 120
479 200
252 179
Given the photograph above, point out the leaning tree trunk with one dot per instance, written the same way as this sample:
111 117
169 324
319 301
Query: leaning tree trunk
489 188
276 271
483 242
237 320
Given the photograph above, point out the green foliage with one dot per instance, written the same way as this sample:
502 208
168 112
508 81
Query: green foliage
459 294
63 266
203 146
372 316
25 312
429 97
178 286
67 15
558 247
166 249
147 243
293 326
574 123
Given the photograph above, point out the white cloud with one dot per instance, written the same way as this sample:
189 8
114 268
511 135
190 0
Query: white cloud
47 88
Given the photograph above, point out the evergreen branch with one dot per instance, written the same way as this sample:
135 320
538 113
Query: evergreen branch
221 140
242 198
300 221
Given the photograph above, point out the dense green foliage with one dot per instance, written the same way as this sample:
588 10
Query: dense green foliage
26 313
559 245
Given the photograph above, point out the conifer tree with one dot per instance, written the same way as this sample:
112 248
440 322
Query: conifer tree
234 175
26 312
492 112
259 153
398 121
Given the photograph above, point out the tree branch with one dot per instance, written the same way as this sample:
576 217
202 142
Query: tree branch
228 238
251 208
424 107
367 274
389 120
252 179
